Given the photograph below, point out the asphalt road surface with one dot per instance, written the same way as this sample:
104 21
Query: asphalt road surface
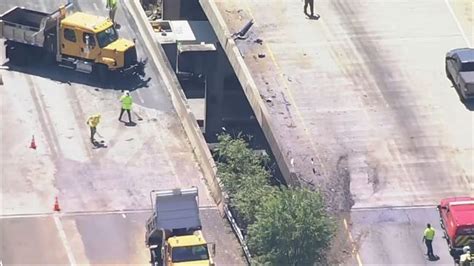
103 193
394 236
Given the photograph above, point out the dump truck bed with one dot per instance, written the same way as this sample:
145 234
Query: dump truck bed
24 17
177 209
24 26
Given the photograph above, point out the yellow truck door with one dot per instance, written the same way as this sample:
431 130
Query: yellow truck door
89 48
70 42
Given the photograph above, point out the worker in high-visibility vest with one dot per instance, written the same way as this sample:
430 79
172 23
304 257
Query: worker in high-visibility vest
428 236
126 101
112 6
466 259
92 122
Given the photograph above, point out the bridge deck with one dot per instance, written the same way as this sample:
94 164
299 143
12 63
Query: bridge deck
359 95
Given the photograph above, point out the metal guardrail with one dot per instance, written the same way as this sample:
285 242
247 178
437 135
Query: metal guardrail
238 233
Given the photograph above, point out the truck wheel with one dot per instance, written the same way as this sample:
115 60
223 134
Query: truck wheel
101 72
48 59
16 55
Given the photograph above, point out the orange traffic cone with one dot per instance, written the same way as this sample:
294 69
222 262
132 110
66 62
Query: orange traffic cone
33 143
56 205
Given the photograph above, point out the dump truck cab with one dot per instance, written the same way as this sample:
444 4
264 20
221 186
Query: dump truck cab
75 40
94 38
188 250
457 222
173 232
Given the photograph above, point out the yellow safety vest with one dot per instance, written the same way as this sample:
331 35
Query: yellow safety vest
465 260
93 120
112 4
429 233
126 102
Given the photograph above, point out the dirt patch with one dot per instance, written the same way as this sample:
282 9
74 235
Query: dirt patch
337 191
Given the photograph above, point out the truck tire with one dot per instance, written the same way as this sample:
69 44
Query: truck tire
102 73
16 54
49 55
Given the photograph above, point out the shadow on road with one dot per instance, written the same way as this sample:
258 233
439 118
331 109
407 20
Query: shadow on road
99 144
64 75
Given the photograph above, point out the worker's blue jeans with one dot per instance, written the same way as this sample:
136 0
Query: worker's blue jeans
429 248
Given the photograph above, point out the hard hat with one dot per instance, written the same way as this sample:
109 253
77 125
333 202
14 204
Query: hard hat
466 249
126 92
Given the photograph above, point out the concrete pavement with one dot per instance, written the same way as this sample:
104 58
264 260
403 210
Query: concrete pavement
52 104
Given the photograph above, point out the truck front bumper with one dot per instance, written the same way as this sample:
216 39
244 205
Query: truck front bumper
137 69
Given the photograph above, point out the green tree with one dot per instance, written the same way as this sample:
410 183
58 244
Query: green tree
285 226
291 228
243 175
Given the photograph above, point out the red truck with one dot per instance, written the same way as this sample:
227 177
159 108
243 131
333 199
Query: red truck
457 221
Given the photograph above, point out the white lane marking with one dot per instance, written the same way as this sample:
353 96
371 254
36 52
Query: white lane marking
382 208
458 23
1 263
62 235
95 6
124 216
92 213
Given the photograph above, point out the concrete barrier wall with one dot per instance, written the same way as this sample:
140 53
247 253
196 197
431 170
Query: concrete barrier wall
249 87
198 143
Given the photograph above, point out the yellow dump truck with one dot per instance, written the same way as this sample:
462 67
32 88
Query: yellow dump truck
173 232
74 40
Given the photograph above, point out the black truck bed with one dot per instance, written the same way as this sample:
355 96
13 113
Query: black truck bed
24 17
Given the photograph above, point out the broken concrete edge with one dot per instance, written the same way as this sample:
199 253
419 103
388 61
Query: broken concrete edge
250 88
193 132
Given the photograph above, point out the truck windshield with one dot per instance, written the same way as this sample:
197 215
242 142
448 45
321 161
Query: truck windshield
190 253
107 37
468 66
